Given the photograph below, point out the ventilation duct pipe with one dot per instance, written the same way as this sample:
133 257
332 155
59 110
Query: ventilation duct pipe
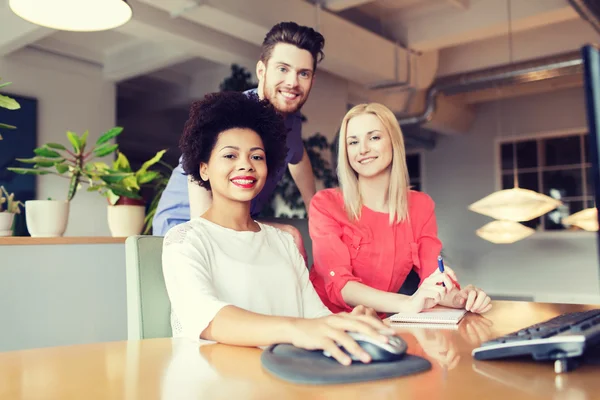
525 72
589 10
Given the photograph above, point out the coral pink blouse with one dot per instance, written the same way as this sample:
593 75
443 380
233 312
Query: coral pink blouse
370 251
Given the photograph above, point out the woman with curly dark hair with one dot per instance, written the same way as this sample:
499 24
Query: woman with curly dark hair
232 279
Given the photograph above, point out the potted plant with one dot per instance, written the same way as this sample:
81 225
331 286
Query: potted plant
49 218
9 104
126 206
8 208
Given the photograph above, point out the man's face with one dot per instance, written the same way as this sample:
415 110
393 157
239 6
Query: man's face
287 77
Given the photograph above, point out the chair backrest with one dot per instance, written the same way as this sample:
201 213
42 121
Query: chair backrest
148 306
302 225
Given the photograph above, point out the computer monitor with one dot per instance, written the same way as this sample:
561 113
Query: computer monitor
591 75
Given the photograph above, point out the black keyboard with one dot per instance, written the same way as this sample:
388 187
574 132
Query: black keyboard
563 337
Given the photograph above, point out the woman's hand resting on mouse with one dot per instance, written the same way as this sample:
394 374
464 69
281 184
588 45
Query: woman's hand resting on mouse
324 334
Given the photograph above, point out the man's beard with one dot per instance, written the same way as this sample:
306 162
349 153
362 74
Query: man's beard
271 93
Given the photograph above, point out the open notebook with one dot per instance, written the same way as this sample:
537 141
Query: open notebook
438 315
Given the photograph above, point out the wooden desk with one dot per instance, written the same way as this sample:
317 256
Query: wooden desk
180 369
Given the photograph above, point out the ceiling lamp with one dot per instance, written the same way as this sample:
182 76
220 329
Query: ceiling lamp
73 15
585 219
504 232
515 204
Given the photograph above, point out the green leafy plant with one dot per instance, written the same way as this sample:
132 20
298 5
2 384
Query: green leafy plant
9 104
120 180
160 184
316 147
238 81
12 205
74 164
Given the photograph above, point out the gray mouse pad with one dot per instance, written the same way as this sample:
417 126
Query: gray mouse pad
296 365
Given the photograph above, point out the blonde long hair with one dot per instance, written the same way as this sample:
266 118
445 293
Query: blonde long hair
399 181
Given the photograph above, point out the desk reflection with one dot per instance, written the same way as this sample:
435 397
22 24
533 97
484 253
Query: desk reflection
443 343
519 375
215 371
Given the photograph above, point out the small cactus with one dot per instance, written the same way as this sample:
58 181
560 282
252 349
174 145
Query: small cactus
12 205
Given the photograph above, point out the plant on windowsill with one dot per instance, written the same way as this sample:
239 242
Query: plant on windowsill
7 215
9 104
49 218
127 207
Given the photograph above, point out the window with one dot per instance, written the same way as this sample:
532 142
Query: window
413 162
557 166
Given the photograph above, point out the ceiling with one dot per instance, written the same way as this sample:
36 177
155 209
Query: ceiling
171 43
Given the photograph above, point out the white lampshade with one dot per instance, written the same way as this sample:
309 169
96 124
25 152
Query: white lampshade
515 204
585 219
73 15
504 232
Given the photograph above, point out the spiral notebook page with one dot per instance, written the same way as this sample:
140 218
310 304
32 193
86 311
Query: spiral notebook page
431 316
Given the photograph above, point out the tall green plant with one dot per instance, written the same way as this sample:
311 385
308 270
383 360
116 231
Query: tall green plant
323 170
8 103
160 184
239 80
75 163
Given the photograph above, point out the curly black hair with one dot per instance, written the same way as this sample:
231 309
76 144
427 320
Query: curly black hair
218 112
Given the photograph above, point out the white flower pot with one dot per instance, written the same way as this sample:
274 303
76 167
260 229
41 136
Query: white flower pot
126 220
6 221
47 218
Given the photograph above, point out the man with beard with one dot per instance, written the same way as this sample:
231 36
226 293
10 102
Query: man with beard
288 62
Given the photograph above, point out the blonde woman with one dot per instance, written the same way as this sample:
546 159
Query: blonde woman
372 231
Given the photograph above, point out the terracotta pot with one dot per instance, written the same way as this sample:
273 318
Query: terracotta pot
126 201
126 217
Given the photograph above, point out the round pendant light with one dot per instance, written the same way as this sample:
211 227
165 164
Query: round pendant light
73 15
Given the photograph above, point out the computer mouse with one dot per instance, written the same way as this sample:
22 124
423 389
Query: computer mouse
379 351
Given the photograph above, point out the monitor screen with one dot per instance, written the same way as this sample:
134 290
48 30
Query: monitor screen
591 61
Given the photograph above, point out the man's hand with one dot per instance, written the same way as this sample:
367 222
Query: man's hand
327 332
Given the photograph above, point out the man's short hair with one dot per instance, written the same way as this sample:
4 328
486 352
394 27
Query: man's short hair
303 37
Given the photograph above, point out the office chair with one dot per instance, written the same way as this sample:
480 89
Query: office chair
148 305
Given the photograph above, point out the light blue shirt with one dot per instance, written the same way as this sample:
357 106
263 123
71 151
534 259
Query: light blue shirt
174 205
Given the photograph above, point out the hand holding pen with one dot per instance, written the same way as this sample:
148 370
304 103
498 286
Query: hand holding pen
471 298
442 269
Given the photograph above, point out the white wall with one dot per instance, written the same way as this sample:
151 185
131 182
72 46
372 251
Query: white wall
62 294
71 96
461 170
